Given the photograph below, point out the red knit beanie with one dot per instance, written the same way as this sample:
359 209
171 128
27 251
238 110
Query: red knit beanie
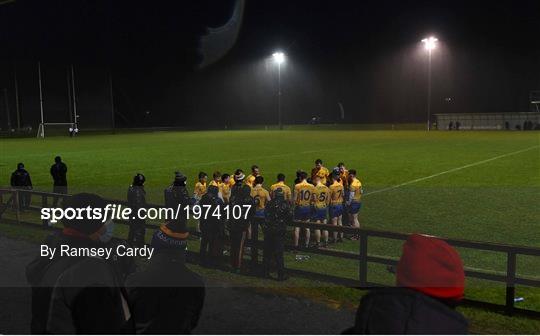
431 266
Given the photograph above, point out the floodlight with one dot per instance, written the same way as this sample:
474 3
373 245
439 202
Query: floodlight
279 57
430 43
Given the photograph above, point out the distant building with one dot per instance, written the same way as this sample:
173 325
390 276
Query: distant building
488 121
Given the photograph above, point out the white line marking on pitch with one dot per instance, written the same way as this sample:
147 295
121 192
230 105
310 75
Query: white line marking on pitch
450 171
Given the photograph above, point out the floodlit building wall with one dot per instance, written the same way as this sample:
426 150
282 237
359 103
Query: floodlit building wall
486 121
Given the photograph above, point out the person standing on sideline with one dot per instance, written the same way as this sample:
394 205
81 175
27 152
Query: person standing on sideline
177 195
211 229
20 179
278 213
58 172
240 197
136 197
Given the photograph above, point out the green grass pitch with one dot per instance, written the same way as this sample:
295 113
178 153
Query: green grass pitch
475 185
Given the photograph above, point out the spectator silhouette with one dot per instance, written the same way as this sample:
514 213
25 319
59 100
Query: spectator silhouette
136 197
238 228
80 294
212 230
166 297
58 173
278 214
177 195
20 179
430 283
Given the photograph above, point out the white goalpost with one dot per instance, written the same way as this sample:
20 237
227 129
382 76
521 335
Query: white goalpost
72 125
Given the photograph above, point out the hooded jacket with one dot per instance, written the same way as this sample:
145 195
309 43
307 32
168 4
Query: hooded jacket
58 172
74 295
21 178
430 280
406 311
167 297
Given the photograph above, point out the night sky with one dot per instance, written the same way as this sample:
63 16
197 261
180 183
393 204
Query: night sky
365 55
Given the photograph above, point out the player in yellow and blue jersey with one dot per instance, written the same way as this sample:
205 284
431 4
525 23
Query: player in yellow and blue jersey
303 195
344 175
225 187
336 204
354 201
199 191
321 199
320 171
284 188
200 187
216 180
260 195
250 180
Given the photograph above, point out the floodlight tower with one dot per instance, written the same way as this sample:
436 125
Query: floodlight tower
279 58
430 43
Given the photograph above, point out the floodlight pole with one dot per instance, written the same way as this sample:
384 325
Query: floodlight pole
74 96
16 96
111 92
6 101
68 82
429 92
41 101
280 124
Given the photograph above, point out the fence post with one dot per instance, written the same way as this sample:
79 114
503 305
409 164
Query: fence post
17 205
510 282
44 222
362 258
254 243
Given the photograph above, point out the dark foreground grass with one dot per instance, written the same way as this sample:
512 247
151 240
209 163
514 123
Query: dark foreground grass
481 186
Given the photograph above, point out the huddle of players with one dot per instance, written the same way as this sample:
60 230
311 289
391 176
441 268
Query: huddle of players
321 196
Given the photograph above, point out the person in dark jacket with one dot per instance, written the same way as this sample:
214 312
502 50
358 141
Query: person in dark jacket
240 197
278 214
430 284
79 294
211 229
58 173
136 197
20 179
176 195
166 297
